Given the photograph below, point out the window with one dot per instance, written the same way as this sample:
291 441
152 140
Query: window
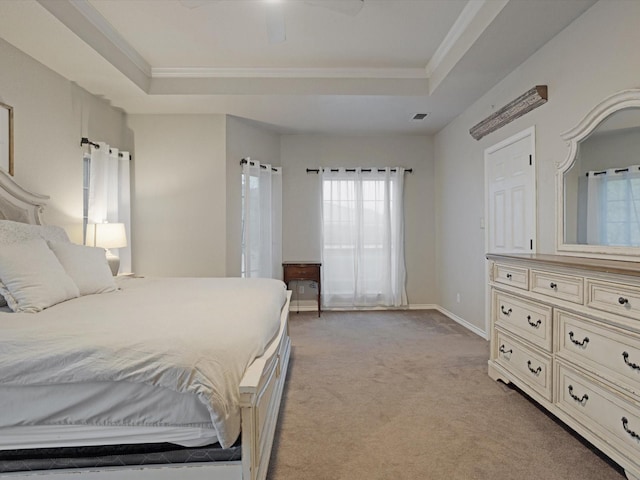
86 172
621 210
613 207
250 256
261 221
363 238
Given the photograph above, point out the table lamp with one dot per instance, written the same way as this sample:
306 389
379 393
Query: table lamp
107 235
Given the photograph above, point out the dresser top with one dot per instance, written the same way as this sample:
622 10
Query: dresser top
595 264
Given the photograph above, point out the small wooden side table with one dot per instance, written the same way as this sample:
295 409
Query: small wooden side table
304 271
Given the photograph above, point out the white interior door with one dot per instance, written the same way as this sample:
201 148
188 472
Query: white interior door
511 190
510 200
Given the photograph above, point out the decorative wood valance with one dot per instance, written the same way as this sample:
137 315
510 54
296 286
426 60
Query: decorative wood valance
518 107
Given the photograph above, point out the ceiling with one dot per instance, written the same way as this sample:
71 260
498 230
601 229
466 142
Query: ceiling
341 70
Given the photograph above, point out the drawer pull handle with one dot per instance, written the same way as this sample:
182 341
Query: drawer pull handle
583 343
506 312
502 350
533 324
509 276
623 301
625 356
553 285
578 399
633 434
534 371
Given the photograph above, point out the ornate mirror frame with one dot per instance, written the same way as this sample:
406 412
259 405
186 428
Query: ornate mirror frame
619 101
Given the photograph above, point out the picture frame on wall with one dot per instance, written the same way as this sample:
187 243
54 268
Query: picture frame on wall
6 138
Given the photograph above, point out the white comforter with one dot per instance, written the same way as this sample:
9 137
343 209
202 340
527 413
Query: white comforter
187 334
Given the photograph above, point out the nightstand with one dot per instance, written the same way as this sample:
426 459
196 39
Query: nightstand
304 271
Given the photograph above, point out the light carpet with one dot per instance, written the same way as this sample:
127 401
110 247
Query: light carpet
406 395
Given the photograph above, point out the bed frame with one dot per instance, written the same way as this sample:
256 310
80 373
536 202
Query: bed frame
260 389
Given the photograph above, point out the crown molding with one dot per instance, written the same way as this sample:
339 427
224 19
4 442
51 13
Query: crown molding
458 28
117 41
250 72
475 18
88 24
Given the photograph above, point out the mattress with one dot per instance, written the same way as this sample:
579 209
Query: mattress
160 355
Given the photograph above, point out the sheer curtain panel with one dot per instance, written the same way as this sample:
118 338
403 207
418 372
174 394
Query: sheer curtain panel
261 220
613 207
109 195
363 238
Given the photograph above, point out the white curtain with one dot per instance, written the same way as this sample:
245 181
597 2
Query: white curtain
110 194
363 238
613 207
261 220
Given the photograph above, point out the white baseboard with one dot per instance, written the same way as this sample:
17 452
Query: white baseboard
424 306
313 307
463 322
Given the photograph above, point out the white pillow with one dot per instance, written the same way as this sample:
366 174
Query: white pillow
33 277
87 267
16 232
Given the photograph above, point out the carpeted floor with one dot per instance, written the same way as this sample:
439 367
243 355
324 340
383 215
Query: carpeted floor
405 395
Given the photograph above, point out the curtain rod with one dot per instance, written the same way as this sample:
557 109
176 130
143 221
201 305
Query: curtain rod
244 161
604 172
86 141
317 170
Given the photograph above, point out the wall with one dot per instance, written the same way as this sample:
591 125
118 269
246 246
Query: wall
245 138
591 59
179 199
301 194
51 114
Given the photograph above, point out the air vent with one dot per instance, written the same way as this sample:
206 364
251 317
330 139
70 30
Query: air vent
420 116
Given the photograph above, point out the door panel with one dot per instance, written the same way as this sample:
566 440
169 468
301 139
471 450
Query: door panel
512 201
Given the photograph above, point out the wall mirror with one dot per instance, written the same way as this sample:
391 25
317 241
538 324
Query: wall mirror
6 138
598 184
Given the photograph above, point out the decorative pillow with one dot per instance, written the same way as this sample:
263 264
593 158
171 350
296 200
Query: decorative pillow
15 232
87 267
33 277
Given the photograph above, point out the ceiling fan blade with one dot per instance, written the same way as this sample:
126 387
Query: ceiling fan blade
348 7
276 31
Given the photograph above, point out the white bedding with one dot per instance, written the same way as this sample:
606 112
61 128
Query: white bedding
187 335
100 413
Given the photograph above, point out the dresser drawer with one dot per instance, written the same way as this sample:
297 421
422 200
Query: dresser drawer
531 367
530 320
511 275
608 352
614 298
295 272
612 417
564 287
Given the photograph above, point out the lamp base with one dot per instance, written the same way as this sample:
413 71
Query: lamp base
114 263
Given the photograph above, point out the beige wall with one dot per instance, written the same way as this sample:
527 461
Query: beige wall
51 114
594 57
179 206
244 139
301 194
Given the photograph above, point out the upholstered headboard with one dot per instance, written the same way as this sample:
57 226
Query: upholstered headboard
18 204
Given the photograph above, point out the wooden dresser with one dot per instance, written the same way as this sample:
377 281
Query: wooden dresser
566 330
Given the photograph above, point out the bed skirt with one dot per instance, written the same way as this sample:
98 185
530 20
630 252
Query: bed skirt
114 456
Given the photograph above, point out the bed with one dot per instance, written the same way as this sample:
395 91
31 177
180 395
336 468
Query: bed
184 375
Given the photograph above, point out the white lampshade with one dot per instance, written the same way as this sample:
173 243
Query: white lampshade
106 235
